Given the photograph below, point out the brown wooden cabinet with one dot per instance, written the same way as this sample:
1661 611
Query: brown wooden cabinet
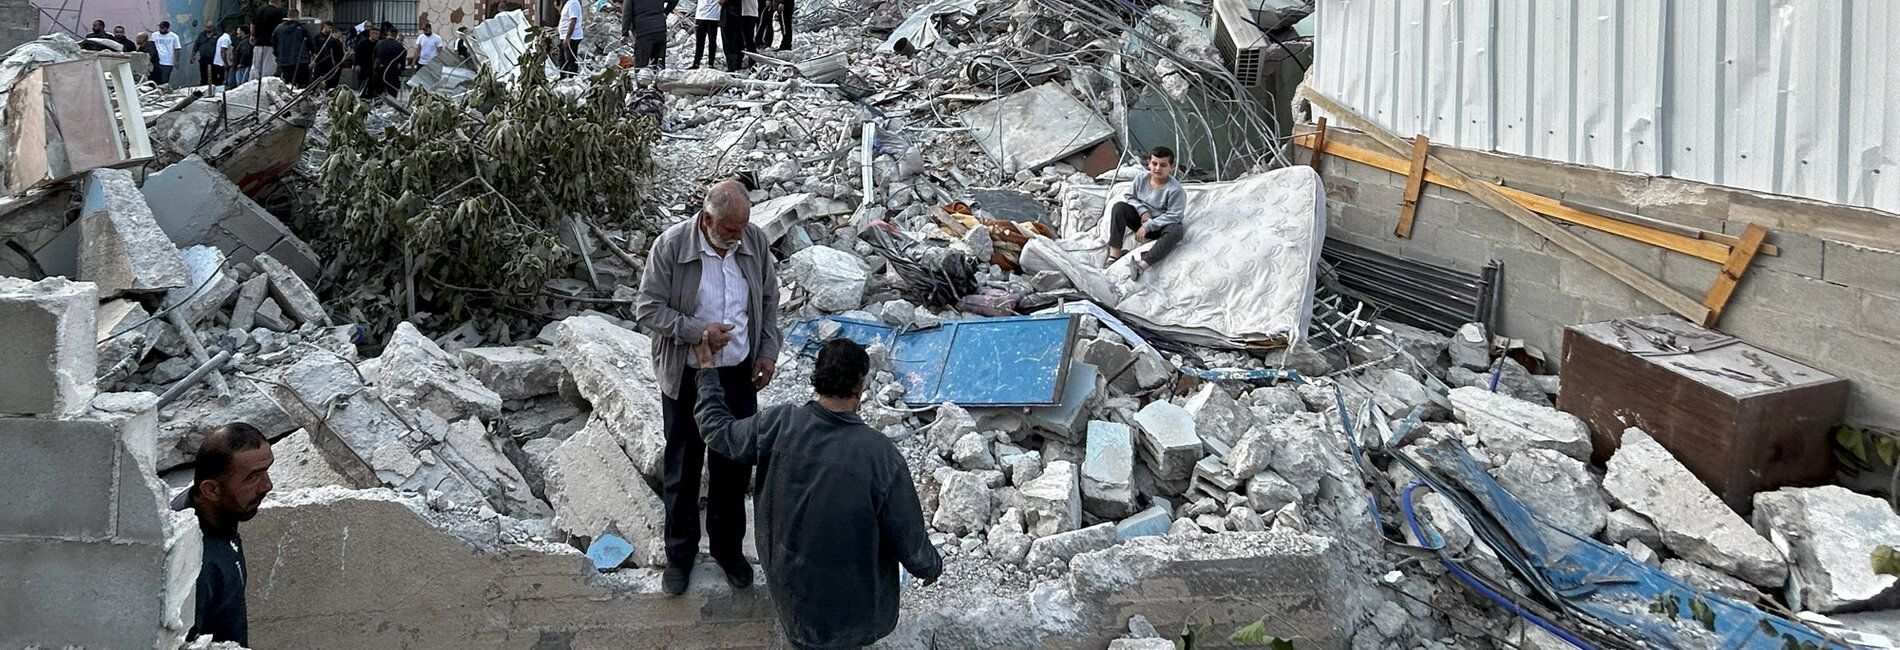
1741 418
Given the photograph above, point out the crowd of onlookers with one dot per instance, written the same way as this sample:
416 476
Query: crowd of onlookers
279 42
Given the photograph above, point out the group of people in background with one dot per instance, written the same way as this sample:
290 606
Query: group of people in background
739 26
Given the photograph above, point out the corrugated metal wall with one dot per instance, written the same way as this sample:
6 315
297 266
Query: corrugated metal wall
1796 97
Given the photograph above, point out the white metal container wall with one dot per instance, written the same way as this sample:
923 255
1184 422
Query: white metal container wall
1795 97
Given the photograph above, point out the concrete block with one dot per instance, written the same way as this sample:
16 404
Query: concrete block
835 278
1053 500
1165 579
1694 523
1108 471
50 355
1168 440
1872 269
1878 316
1267 492
75 594
63 478
1506 424
184 558
1796 294
1829 533
1217 415
592 484
296 298
417 372
515 373
251 295
196 204
963 503
1066 420
121 248
1154 521
1062 547
270 316
1556 486
612 368
1111 359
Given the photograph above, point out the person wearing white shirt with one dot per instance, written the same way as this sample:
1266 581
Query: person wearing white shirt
706 32
221 61
427 46
570 33
167 43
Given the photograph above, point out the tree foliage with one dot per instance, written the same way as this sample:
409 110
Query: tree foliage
468 200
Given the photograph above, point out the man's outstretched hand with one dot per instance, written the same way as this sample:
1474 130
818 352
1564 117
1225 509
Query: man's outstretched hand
703 354
762 370
716 336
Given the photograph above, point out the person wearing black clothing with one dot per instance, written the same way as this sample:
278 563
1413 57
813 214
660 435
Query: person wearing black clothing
391 58
206 48
150 49
326 63
264 24
230 479
293 43
775 11
733 34
238 69
835 507
365 62
645 21
125 44
98 32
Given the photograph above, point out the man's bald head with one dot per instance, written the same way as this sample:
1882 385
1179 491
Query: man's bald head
725 214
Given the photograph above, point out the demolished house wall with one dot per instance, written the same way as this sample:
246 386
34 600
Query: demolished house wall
1829 299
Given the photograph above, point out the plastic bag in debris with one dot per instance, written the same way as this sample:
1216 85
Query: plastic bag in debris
933 275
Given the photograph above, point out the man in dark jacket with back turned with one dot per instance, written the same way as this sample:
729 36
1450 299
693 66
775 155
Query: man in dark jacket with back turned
836 509
645 21
292 42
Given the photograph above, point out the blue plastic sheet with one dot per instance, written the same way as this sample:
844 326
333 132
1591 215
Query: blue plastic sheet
1009 361
1614 589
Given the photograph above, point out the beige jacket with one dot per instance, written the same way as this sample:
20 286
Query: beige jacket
669 295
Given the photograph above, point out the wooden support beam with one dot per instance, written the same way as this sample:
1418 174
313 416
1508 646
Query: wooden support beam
1713 247
1675 300
1732 270
1319 146
1414 182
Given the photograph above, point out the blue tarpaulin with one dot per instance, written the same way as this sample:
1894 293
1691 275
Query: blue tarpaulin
1009 361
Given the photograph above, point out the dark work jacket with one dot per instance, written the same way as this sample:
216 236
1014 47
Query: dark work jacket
292 43
150 49
240 52
365 54
836 514
86 43
264 22
328 57
391 58
206 46
220 606
645 17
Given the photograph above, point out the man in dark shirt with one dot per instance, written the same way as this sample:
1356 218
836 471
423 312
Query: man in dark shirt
264 24
645 22
125 44
206 51
365 61
98 32
391 59
229 481
326 63
292 41
836 509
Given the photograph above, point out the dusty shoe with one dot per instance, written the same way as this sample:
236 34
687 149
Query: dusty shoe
738 573
673 581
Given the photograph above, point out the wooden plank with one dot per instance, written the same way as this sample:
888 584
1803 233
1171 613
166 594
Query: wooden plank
1414 182
1319 146
88 127
1675 300
1731 273
1699 247
26 127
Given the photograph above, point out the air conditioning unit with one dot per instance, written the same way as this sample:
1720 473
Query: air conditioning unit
1249 53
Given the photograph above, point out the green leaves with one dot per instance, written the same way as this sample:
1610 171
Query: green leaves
1255 633
1885 560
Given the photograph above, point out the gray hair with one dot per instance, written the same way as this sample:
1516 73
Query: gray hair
724 198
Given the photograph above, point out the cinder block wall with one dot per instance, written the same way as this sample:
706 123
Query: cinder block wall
1831 299
19 23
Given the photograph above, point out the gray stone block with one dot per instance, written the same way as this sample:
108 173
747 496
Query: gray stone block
415 371
1694 523
1506 424
121 248
1831 532
196 204
291 293
515 372
62 478
1168 440
50 356
75 594
613 369
592 484
1108 471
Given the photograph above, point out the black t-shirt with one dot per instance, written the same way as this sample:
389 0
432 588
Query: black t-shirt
220 605
264 21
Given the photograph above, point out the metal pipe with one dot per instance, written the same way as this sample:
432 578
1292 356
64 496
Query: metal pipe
210 366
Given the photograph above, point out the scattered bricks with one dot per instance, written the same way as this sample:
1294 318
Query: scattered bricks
1556 486
121 248
592 484
1151 522
291 293
612 368
515 373
251 295
1168 441
50 354
963 503
61 480
417 373
1108 471
1644 477
1053 501
1063 421
1062 547
1506 424
1829 533
1214 472
1217 416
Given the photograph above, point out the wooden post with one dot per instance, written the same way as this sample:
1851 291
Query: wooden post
1738 259
1413 183
1319 146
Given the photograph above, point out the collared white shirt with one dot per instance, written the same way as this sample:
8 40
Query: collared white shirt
426 48
571 12
723 296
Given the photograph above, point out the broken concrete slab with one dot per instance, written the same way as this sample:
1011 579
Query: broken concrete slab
417 373
251 295
1270 402
515 373
196 204
1217 415
296 298
51 355
1108 471
1300 451
1251 455
612 368
124 335
1062 547
1557 487
972 452
1053 501
1114 360
1398 392
1035 127
1645 478
1079 397
592 483
1151 522
834 278
963 503
1506 424
952 424
1299 575
201 410
1710 580
1623 524
296 464
1168 440
1267 492
121 248
1829 533
511 493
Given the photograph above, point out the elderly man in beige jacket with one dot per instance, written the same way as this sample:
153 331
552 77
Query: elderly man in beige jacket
709 279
